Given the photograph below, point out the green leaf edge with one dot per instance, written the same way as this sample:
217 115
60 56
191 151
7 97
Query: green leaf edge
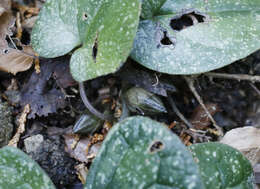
225 148
17 152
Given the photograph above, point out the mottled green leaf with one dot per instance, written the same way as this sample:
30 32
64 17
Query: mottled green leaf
110 27
141 153
226 31
105 29
55 33
151 7
222 166
19 171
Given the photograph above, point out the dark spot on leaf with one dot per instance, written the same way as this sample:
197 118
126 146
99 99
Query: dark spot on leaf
186 20
166 40
156 146
84 16
95 49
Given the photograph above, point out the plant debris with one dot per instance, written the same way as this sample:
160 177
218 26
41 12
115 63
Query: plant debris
43 99
79 151
21 128
6 125
13 61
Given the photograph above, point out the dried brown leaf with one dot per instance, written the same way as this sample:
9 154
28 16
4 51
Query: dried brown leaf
200 119
63 76
13 60
6 23
80 150
5 6
37 92
82 172
29 22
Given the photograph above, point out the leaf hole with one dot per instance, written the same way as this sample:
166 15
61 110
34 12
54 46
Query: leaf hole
156 146
5 51
186 20
95 50
166 40
84 16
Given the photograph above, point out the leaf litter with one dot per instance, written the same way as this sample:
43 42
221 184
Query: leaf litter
42 100
185 102
12 60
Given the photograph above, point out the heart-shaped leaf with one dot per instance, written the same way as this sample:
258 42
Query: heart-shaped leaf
141 153
17 170
110 28
188 37
55 32
105 29
222 166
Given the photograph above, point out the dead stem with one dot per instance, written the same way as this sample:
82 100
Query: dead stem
198 135
255 88
178 113
190 82
252 78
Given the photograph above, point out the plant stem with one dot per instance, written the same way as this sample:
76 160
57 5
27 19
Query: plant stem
178 113
89 106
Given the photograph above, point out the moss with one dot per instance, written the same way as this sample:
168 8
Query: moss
6 126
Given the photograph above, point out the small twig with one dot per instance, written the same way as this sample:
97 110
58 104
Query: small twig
190 83
12 42
89 106
21 128
198 134
178 113
19 26
255 88
252 78
37 66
